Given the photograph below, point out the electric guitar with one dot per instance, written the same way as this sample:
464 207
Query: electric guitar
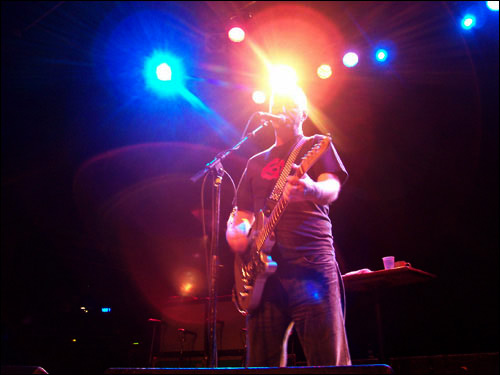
255 265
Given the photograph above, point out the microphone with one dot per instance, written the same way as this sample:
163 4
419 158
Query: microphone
278 119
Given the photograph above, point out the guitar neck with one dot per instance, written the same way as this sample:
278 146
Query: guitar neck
307 161
271 222
275 215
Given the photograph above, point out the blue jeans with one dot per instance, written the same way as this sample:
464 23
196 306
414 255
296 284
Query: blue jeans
306 291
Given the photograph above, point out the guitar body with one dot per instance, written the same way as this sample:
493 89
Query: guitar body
255 265
252 268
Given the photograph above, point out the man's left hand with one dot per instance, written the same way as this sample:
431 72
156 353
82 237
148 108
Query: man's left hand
300 189
324 191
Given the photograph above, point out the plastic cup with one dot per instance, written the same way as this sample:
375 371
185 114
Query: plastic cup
388 262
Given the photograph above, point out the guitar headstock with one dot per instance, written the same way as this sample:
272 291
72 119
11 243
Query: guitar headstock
314 153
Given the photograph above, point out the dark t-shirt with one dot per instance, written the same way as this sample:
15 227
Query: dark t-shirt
305 226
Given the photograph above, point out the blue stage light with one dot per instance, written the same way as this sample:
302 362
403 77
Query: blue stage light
152 64
468 21
381 55
164 74
492 5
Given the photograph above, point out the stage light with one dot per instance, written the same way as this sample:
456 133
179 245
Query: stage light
106 309
188 281
236 34
282 78
324 71
468 21
186 288
163 72
350 59
381 55
259 97
492 5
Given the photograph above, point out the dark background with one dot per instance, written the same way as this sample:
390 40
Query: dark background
98 209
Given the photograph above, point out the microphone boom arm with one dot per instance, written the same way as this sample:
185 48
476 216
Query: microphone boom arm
222 155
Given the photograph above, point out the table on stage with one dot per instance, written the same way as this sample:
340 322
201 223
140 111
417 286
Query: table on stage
380 281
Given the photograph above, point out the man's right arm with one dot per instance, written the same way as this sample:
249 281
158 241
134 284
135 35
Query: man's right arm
238 226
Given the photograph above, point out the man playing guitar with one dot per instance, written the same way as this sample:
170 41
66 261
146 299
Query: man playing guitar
305 290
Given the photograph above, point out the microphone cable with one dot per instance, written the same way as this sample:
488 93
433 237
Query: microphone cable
247 125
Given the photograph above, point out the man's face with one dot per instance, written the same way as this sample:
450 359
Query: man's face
282 104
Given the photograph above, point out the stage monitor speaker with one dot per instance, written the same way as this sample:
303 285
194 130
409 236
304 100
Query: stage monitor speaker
22 370
362 369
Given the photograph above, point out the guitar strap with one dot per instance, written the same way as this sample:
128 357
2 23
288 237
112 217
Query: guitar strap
280 184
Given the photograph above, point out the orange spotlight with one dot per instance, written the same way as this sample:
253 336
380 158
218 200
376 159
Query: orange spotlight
324 71
236 34
187 281
186 288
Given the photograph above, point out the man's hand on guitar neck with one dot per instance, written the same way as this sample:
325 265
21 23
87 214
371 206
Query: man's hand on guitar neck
238 227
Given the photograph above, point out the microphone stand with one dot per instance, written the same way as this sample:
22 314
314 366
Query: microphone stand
216 169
